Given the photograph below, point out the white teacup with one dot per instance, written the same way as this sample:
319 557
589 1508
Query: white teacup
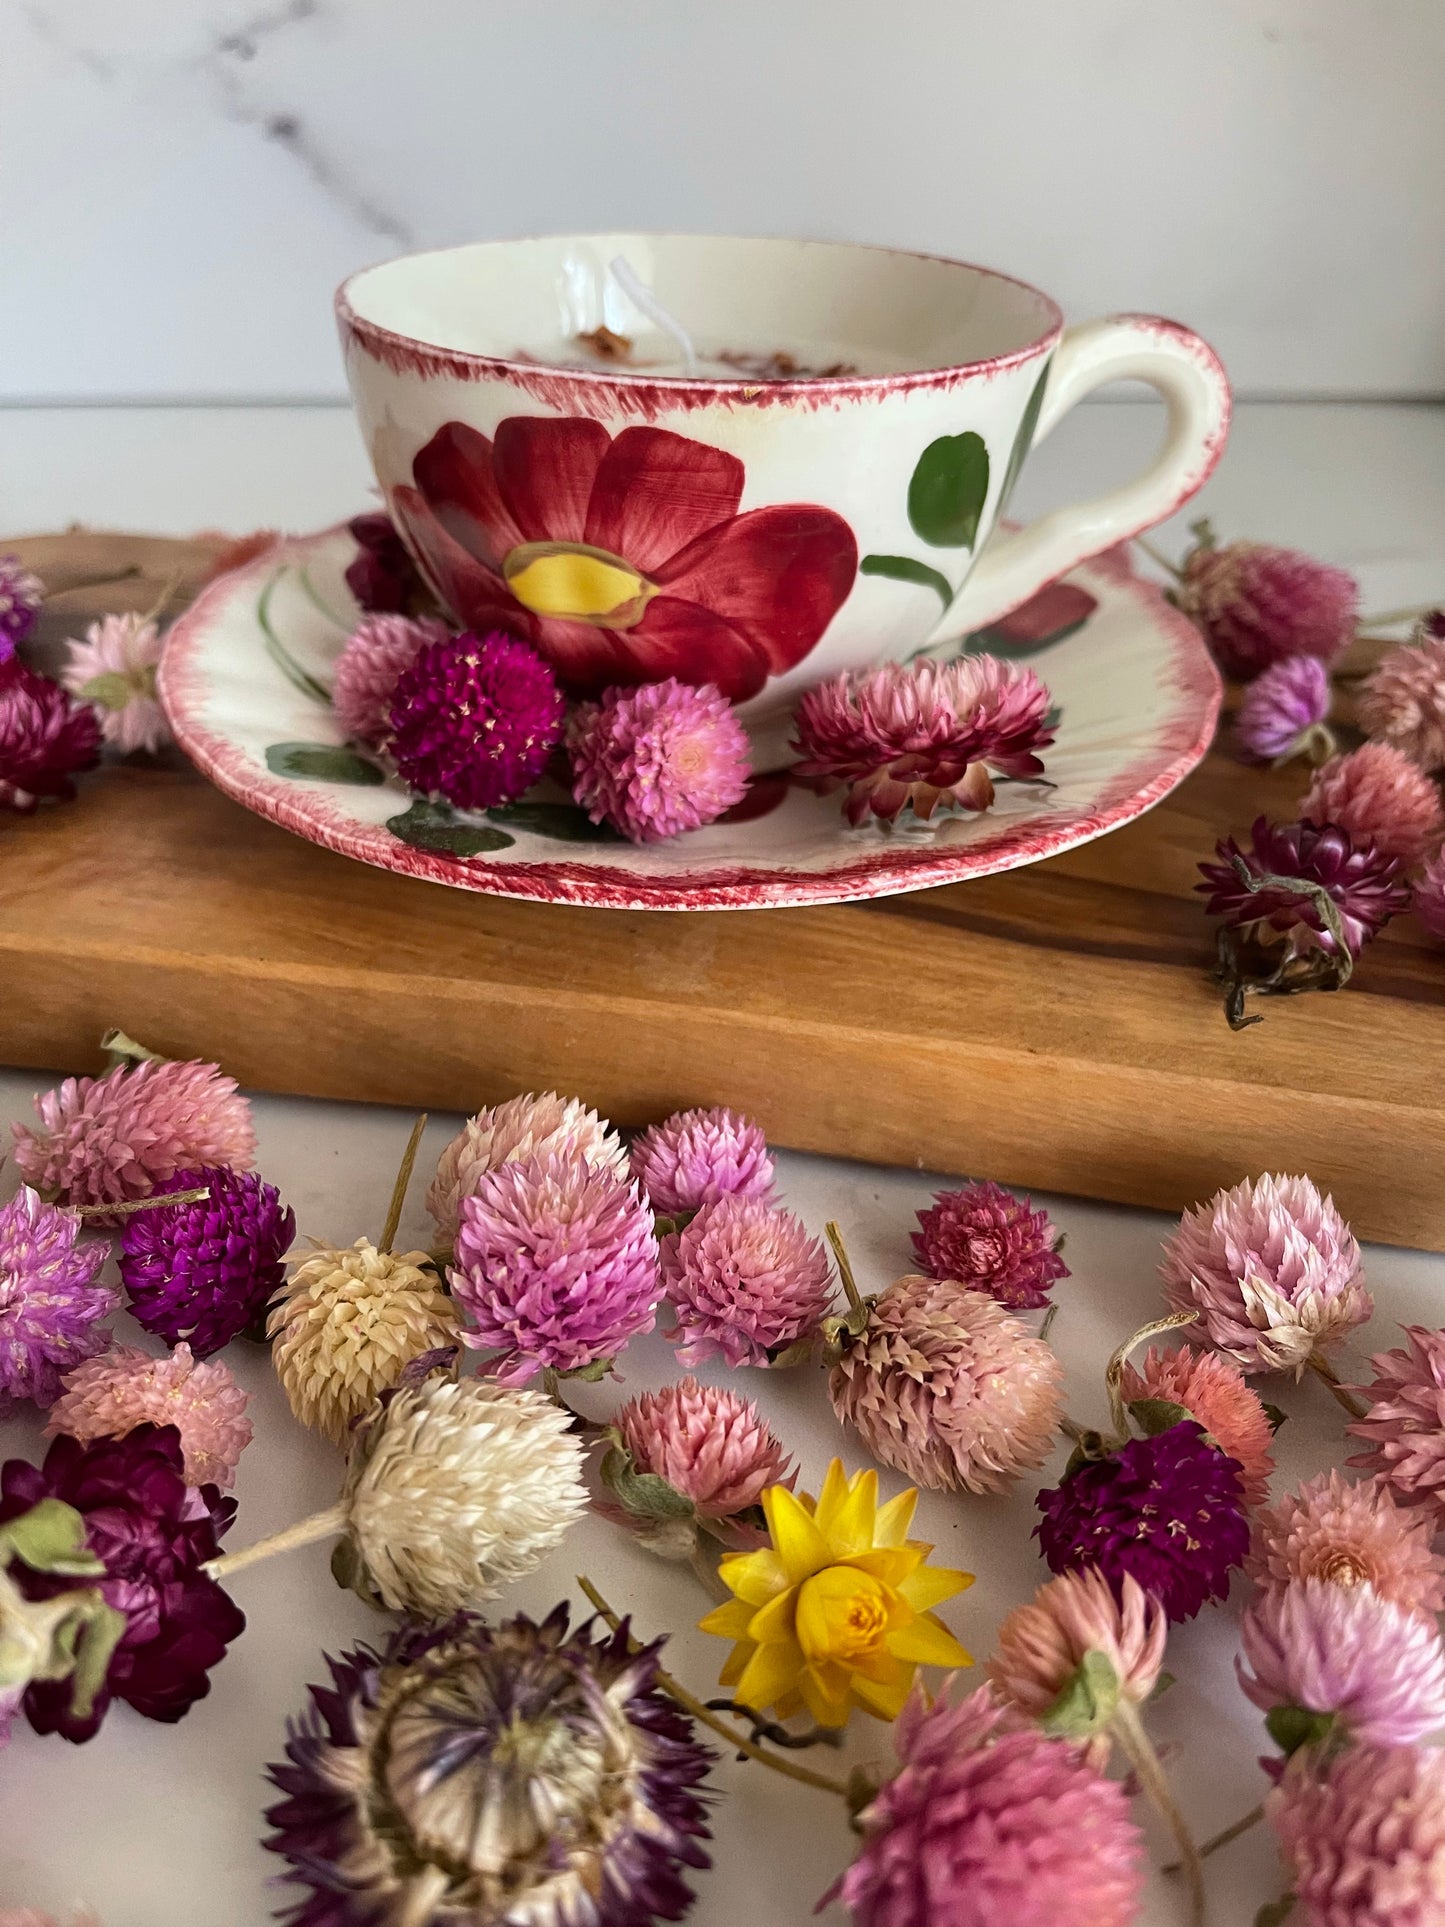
808 479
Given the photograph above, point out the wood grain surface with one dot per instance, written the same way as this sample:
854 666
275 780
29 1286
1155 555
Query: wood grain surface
1054 1027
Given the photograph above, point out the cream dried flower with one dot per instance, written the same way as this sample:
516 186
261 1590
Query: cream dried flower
520 1128
461 1488
346 1325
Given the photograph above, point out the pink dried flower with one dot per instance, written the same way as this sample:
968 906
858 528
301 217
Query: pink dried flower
1257 603
1402 700
1428 901
1351 1534
520 1128
988 1820
1344 1651
114 670
745 1280
21 595
557 1265
693 1157
1362 1835
1282 713
949 1388
366 672
923 734
106 1139
657 760
474 719
1212 1390
51 1300
1405 1425
710 1445
1376 794
107 1397
1272 1270
992 1241
1041 1645
45 738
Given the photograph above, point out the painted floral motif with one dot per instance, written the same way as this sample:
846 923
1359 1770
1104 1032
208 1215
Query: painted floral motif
623 559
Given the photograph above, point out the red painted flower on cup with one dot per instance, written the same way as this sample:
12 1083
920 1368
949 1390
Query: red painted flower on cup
623 559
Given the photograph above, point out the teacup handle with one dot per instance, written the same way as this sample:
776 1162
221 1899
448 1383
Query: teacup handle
1191 379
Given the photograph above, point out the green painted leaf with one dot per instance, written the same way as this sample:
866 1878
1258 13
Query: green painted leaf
300 678
434 826
1024 440
563 822
902 568
948 490
1087 1702
322 763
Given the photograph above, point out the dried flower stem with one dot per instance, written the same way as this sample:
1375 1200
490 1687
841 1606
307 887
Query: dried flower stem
321 1525
130 1205
121 1049
1323 1370
1222 1839
1139 1751
1159 559
1114 1370
845 1270
399 1189
423 1892
689 1704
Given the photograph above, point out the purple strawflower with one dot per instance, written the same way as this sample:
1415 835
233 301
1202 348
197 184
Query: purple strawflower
556 1264
383 577
1168 1509
204 1271
50 1302
152 1532
21 594
474 720
1282 714
488 1774
693 1157
45 737
986 1238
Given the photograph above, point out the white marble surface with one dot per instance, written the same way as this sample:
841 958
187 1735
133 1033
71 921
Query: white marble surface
183 182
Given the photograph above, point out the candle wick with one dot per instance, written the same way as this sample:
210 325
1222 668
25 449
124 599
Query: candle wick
643 299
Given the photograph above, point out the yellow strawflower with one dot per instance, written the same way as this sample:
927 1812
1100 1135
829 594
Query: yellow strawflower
836 1610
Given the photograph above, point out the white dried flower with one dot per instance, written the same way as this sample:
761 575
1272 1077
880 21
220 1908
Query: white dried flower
459 1489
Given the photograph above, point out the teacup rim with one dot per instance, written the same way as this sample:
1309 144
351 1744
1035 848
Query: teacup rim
413 351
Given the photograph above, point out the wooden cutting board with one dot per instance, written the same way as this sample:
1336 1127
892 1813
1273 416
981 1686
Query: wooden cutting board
1054 1027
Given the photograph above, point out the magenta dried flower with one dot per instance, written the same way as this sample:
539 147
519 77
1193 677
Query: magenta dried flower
105 1398
745 1279
694 1157
152 1532
1362 1835
657 760
1298 907
21 595
710 1445
474 720
1404 1426
1271 1269
46 739
1283 711
50 1301
205 1271
365 675
556 1265
1377 795
1169 1510
1257 603
991 1240
1402 700
988 1820
490 1774
1374 1667
923 735
104 1140
382 575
